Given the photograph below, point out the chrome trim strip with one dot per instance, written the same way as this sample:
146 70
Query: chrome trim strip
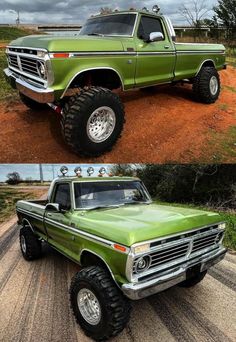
205 52
87 235
23 211
28 223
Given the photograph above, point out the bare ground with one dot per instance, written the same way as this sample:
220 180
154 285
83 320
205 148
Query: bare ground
34 302
162 125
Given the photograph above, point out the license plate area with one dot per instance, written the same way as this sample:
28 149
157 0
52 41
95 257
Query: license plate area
193 271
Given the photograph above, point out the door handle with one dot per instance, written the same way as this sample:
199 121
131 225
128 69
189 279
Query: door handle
166 46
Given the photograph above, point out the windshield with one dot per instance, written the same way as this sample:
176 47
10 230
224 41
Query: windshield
117 25
108 194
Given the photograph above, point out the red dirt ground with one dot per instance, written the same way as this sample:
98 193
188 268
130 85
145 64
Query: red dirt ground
162 125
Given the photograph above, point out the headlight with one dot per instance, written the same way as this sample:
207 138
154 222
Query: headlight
41 69
222 226
142 264
142 248
41 54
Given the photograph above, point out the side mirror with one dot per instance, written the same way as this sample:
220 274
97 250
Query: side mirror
53 207
156 37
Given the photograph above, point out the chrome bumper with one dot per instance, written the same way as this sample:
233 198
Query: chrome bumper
40 95
173 277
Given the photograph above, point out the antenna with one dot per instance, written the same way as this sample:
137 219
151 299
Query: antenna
18 18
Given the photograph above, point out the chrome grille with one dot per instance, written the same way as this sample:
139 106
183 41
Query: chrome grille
27 66
172 251
203 242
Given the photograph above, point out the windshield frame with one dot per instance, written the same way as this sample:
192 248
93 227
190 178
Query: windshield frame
113 14
149 199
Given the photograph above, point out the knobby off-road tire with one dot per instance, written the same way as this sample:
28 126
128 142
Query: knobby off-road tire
31 104
206 85
88 114
113 311
193 280
30 245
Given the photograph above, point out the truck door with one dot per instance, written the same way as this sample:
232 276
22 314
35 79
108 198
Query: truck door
58 223
155 60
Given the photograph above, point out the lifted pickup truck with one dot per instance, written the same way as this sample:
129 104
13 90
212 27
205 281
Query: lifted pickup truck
128 246
127 50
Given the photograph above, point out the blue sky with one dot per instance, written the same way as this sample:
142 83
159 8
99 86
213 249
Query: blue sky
32 170
76 11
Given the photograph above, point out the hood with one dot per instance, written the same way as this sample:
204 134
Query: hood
67 43
136 223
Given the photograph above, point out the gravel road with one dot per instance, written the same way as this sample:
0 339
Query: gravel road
34 303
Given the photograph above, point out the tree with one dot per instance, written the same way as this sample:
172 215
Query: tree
13 178
226 15
194 12
124 169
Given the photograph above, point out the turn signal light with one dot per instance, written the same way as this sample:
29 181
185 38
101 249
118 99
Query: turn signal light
61 55
120 248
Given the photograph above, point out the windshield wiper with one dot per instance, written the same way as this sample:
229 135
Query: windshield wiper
103 207
95 34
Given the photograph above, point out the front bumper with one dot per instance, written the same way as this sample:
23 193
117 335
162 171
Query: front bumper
37 94
173 277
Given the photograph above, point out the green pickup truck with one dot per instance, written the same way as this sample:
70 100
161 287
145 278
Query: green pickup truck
77 75
128 247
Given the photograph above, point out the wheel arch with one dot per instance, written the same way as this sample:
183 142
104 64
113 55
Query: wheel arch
92 70
91 257
206 63
26 223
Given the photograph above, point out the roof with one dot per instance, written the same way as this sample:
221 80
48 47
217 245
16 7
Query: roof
127 12
96 179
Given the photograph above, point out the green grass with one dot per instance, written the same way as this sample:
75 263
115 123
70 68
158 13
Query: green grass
8 199
10 33
5 89
228 216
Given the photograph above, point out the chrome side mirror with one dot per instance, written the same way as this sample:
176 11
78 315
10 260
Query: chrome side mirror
156 37
53 207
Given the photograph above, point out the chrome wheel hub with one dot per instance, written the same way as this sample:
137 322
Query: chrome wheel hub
101 124
23 243
214 86
89 306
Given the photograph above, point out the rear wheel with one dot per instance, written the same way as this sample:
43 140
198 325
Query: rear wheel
31 104
206 85
192 281
92 121
98 305
30 245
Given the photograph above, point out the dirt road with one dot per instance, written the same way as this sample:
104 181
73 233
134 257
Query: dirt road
162 125
34 303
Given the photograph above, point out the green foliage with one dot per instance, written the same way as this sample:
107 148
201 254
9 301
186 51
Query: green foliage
5 89
226 14
212 185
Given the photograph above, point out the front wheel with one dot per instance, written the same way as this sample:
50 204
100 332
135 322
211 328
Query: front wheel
92 121
30 245
98 305
206 85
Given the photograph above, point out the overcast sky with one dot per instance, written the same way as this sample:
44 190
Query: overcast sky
76 11
49 171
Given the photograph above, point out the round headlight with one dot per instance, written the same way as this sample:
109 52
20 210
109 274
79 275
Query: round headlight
143 263
41 69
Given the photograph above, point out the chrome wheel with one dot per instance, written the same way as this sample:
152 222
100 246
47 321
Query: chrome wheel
101 124
89 306
23 243
214 85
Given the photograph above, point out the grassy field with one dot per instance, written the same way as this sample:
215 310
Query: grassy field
10 33
229 217
8 199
